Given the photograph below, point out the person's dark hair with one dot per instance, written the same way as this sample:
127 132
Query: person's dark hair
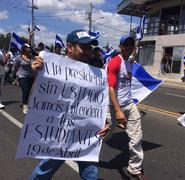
127 40
66 51
96 49
12 48
96 59
41 45
57 46
23 48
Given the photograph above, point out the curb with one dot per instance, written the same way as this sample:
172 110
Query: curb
174 84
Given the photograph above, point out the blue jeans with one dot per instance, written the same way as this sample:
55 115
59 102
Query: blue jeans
47 167
25 84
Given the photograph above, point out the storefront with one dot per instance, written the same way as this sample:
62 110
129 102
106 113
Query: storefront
176 54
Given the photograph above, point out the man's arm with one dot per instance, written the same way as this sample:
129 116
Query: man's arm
103 132
113 70
120 116
37 63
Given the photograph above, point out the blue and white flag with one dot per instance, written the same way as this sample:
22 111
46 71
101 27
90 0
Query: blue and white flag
108 55
16 41
36 28
59 42
140 29
142 83
183 60
139 33
94 35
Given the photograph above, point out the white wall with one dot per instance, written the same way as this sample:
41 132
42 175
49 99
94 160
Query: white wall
164 41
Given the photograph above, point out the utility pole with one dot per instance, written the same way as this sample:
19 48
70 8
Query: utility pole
90 17
131 25
31 34
32 24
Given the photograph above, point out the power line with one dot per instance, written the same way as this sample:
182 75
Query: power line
106 9
74 14
58 17
11 3
110 27
25 11
53 26
16 27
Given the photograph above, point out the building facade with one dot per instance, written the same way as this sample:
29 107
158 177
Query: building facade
164 33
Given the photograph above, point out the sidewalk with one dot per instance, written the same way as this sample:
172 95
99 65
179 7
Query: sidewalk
171 81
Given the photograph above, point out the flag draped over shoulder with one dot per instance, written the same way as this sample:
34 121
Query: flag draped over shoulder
16 41
59 42
142 83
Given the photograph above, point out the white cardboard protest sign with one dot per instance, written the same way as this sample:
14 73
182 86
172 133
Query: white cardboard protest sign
66 111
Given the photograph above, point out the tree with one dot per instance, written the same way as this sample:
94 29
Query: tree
5 41
2 37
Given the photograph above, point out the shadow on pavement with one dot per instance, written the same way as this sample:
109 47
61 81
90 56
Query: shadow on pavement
120 141
181 113
6 103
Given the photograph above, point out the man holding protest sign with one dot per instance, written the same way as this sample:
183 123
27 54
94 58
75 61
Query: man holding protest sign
123 108
79 48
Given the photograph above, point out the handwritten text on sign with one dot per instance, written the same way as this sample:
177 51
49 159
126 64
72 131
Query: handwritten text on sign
66 110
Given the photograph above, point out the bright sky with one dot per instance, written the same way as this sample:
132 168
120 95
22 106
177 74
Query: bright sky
63 16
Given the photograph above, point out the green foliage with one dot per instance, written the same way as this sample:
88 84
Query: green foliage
52 47
5 40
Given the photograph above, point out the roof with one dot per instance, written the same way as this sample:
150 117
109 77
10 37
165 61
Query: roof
135 7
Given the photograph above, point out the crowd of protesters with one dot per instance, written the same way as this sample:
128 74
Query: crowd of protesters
21 68
15 66
125 111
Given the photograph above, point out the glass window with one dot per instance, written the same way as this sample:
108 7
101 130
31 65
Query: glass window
176 59
149 55
146 53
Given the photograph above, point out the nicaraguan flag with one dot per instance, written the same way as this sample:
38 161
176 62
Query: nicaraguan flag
142 25
142 83
58 41
94 35
108 55
140 29
16 41
139 33
35 28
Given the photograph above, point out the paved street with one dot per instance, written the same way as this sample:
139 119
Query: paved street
163 141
